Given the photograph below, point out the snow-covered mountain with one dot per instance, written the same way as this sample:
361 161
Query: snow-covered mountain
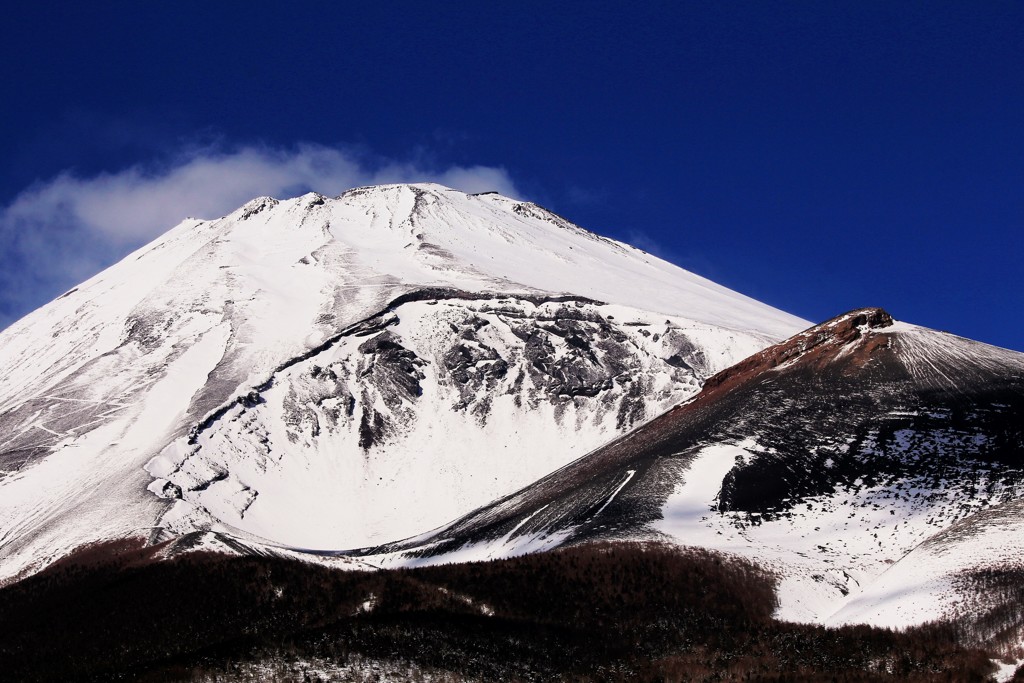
875 467
336 372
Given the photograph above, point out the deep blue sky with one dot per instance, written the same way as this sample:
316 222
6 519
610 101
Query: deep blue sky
818 156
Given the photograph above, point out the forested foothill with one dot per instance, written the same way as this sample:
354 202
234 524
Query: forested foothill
595 612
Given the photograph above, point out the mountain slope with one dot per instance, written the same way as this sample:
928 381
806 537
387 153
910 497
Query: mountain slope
143 363
469 396
846 460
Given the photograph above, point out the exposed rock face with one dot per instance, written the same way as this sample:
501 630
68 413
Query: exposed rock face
480 394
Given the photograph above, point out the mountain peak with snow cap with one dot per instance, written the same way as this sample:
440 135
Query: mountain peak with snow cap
314 379
403 353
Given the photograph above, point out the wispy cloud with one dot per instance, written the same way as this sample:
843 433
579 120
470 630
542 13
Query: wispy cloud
642 240
56 233
690 260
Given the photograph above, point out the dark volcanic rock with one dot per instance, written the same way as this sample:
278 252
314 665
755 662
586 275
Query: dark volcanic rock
394 369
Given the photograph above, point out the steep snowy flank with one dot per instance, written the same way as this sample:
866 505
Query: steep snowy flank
877 468
101 381
429 410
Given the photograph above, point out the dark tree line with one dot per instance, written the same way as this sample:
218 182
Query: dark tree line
596 612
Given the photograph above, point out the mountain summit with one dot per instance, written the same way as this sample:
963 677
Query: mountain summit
335 372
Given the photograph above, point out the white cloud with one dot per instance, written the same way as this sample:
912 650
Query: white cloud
57 233
138 204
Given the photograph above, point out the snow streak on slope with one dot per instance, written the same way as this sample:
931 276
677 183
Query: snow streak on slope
101 380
